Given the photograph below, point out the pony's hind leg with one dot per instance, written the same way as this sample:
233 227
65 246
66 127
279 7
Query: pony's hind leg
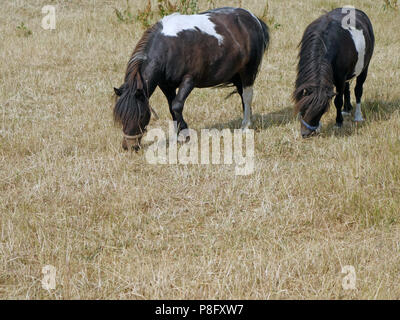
246 95
358 117
347 101
247 101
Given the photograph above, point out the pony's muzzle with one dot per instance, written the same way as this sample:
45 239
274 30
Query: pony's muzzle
131 143
307 132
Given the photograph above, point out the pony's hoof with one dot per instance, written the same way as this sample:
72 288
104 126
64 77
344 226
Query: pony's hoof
246 126
358 119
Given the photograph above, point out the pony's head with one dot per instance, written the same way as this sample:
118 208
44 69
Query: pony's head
314 84
132 111
311 104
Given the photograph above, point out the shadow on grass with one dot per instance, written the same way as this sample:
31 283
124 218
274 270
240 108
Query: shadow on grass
378 110
259 121
373 111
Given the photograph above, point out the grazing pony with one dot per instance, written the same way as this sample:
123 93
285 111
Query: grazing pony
335 48
219 47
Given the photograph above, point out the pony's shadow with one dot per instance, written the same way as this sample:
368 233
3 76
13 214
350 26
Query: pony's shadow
259 121
373 110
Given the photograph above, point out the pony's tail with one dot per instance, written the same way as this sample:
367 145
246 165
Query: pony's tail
265 34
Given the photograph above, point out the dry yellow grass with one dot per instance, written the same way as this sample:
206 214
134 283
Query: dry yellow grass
116 227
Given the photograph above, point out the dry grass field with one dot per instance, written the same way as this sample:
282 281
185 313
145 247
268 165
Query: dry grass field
116 227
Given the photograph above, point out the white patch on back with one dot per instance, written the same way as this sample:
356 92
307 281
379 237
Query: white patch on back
359 42
176 23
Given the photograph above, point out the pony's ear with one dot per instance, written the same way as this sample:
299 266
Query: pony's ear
118 92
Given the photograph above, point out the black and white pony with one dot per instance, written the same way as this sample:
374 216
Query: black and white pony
335 48
219 47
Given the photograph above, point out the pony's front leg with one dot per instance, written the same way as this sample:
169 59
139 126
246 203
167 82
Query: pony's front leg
170 94
185 88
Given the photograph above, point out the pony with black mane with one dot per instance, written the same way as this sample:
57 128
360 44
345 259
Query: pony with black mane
219 47
335 48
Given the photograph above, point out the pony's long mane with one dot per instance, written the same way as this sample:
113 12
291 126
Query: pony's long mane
314 83
124 112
